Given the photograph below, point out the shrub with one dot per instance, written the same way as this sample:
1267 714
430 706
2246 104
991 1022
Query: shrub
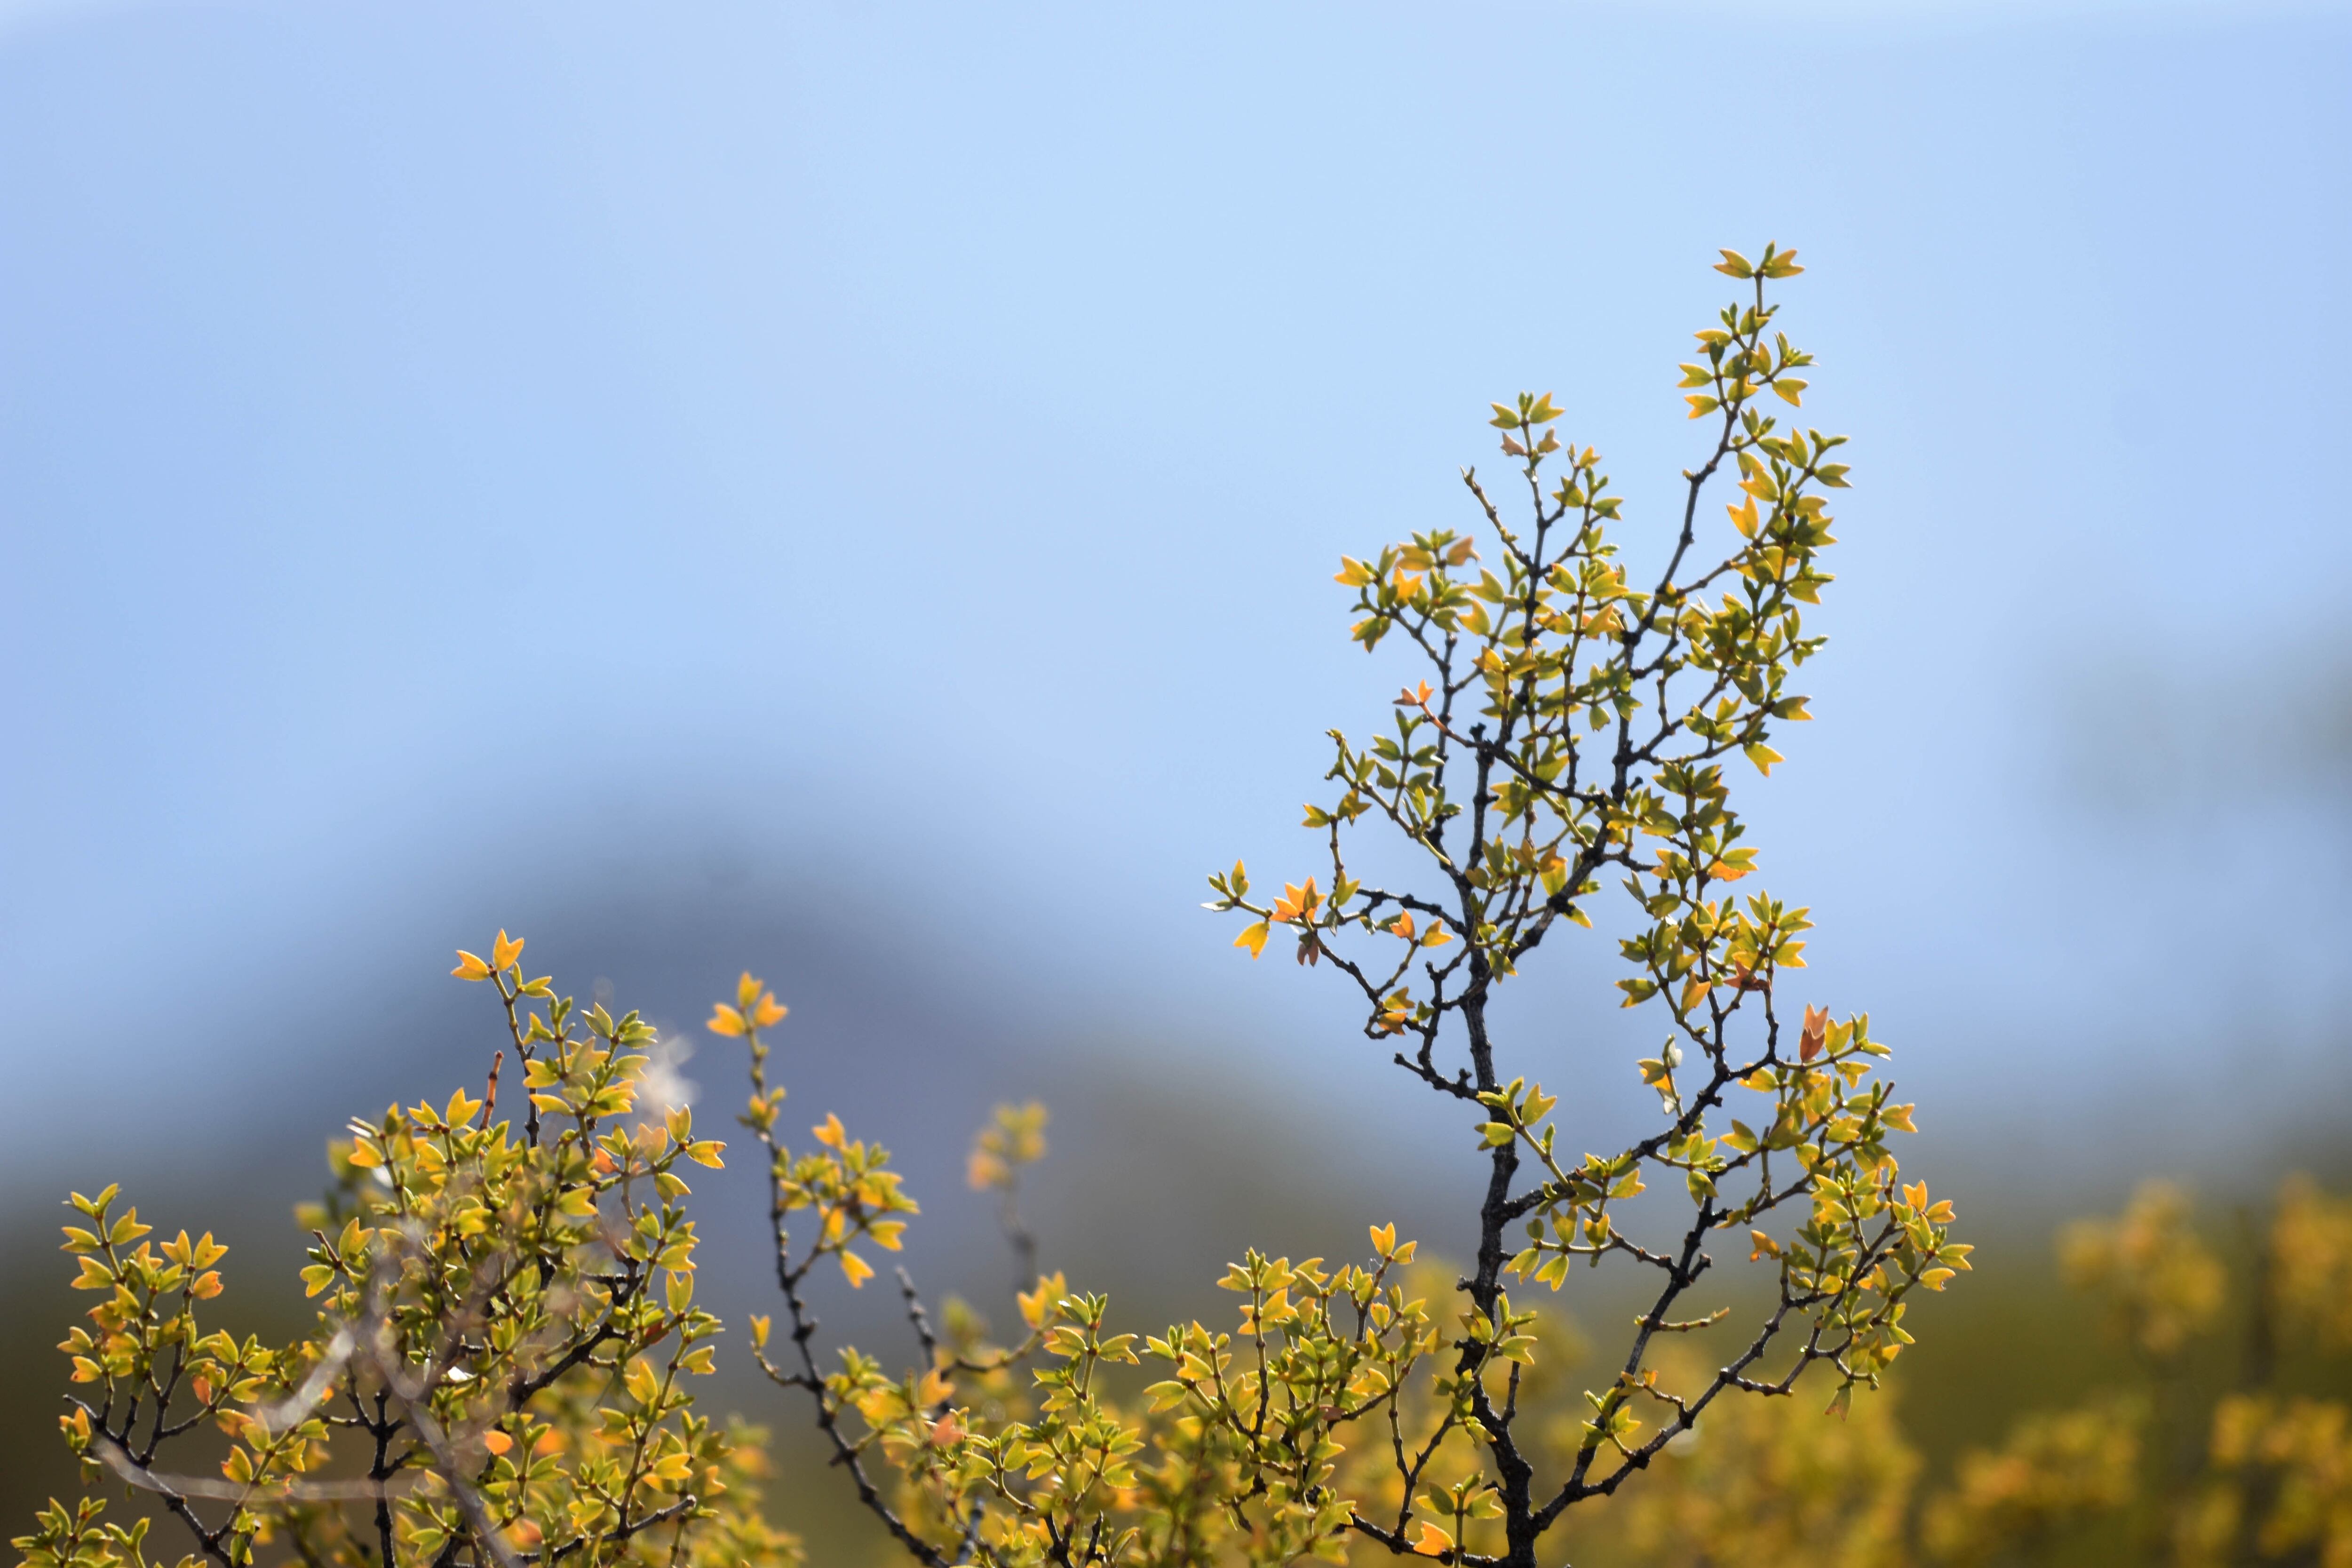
506 1339
507 1328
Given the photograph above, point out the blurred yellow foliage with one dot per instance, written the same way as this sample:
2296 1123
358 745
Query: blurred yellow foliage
2312 1262
1771 1483
2055 1470
2161 1284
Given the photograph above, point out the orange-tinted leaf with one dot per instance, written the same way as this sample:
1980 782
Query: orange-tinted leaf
1816 1031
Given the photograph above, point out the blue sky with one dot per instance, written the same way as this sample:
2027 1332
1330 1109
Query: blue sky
456 462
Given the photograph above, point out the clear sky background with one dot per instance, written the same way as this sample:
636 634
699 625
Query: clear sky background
580 468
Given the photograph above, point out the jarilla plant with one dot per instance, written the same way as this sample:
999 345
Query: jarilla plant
1567 723
508 1322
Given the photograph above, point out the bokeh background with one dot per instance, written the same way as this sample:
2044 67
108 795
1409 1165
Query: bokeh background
851 490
